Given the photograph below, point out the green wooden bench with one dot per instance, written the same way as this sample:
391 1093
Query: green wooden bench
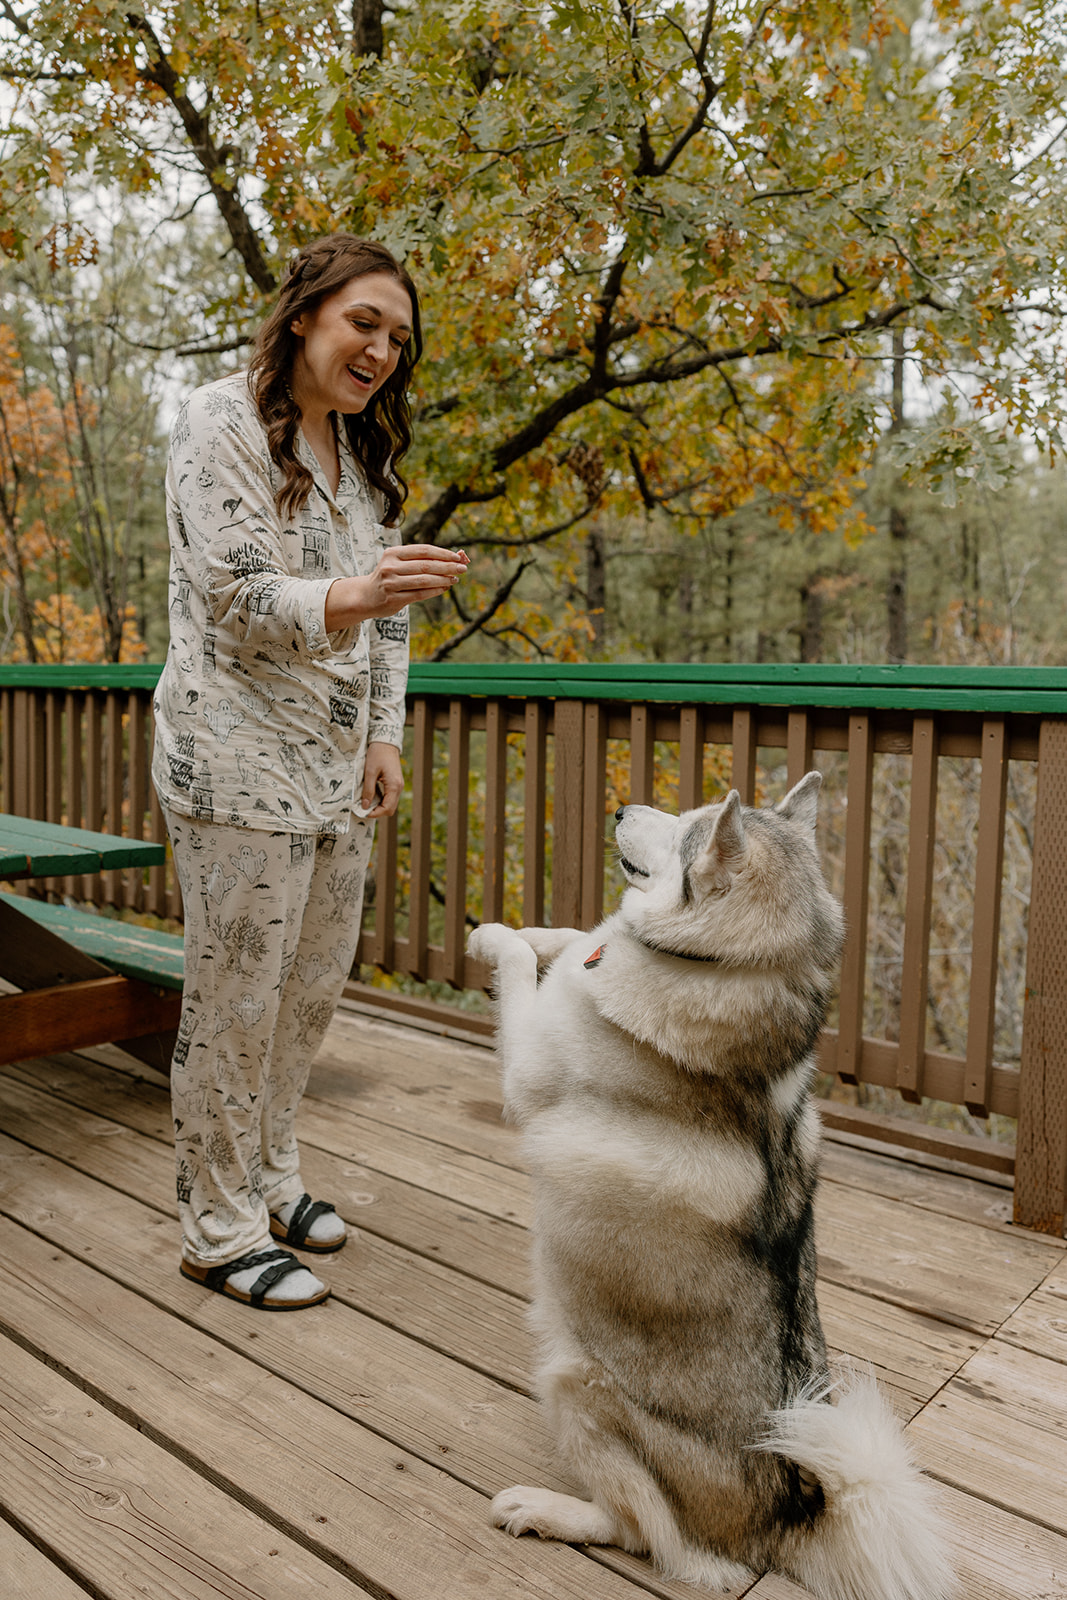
86 979
136 952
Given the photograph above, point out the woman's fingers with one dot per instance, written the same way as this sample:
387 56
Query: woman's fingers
413 572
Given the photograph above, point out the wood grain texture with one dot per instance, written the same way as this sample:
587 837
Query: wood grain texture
1041 1172
422 1358
29 1574
360 1499
999 1429
128 1516
1040 1324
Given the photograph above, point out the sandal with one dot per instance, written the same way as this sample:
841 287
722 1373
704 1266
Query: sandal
296 1231
277 1264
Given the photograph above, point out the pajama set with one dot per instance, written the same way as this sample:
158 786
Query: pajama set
262 722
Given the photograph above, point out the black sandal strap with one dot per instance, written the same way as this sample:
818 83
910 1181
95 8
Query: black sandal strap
278 1263
303 1219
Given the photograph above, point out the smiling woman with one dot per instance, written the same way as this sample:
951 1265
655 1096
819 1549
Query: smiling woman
279 717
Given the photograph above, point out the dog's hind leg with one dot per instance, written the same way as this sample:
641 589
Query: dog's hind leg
628 1507
523 1509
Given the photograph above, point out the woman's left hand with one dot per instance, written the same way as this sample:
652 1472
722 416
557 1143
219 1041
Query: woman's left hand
383 780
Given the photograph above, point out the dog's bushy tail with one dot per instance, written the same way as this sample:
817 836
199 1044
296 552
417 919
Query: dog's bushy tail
880 1536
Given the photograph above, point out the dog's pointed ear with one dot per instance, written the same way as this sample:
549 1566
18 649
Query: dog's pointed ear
727 849
801 804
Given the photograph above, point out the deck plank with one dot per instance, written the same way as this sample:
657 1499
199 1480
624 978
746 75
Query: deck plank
941 1266
488 1435
29 1574
417 1158
938 1265
424 1349
127 1516
912 1354
473 1320
998 1429
1040 1324
971 1199
433 1405
352 1494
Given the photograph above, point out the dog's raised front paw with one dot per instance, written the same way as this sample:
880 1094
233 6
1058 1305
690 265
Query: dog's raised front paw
489 942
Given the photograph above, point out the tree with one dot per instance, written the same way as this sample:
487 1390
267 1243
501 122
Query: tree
79 334
41 579
31 487
675 238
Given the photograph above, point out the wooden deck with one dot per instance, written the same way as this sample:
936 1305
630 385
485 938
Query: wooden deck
157 1441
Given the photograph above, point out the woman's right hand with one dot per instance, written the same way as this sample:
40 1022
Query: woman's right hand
406 573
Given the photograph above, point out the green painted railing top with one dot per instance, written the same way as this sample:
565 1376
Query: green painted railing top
80 675
1035 690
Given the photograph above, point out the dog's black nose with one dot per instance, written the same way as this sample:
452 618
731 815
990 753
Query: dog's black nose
619 813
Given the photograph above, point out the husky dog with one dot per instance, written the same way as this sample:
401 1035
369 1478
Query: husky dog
660 1072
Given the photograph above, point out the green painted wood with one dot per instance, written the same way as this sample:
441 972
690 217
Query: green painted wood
1040 691
844 696
135 952
79 675
33 849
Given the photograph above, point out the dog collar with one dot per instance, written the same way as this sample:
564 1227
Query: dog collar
678 955
661 950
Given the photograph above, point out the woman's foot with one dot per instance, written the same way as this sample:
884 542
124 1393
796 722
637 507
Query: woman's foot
308 1224
270 1280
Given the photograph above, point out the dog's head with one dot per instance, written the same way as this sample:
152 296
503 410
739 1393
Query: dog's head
731 883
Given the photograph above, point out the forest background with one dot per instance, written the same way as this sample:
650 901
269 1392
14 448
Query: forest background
744 321
744 333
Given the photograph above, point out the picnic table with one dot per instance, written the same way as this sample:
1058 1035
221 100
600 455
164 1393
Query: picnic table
83 979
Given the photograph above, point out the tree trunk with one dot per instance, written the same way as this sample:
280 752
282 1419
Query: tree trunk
596 591
728 596
811 627
897 582
367 36
685 612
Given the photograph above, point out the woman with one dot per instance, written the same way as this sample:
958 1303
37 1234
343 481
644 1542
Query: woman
279 720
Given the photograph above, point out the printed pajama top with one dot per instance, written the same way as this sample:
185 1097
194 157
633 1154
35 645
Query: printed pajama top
262 717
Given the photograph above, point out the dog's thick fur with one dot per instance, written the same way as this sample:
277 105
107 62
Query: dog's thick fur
661 1074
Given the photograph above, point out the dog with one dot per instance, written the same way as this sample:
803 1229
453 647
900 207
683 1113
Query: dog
660 1072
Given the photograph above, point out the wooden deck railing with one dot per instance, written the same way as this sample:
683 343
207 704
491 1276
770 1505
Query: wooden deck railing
944 830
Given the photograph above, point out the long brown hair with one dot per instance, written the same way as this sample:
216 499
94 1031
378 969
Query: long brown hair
381 434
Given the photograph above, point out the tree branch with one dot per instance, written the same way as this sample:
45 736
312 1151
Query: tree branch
524 541
483 616
162 75
591 389
648 166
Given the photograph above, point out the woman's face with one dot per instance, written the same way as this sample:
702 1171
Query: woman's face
350 344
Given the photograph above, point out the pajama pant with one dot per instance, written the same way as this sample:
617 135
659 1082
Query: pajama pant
271 926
